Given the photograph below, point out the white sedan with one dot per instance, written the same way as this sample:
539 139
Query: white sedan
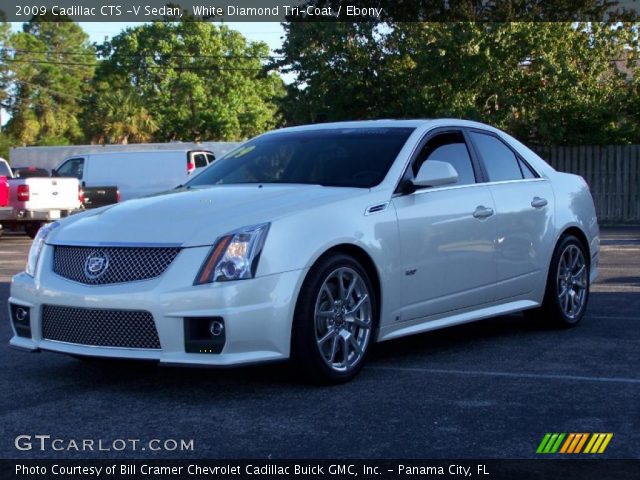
311 243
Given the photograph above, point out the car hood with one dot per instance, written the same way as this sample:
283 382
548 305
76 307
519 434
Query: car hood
194 216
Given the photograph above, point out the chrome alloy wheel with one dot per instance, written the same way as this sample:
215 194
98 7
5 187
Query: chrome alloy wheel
343 319
572 281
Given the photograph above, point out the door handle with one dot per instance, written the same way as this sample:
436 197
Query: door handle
483 212
538 202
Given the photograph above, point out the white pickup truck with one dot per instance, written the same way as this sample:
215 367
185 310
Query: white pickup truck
37 200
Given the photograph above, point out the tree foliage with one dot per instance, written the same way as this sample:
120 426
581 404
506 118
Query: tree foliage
51 65
119 116
553 83
4 67
545 82
199 81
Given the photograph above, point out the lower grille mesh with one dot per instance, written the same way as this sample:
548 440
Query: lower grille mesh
100 327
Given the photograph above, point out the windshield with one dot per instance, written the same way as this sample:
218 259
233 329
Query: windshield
345 157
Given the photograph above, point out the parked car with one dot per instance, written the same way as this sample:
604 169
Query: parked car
107 178
311 243
30 172
5 209
34 201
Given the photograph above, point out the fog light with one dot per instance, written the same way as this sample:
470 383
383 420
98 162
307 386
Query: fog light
21 318
216 328
204 334
22 315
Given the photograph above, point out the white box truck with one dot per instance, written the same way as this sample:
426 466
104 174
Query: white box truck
109 177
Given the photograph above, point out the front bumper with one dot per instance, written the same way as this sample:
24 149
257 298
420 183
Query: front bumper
257 313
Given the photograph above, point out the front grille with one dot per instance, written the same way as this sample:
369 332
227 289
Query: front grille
100 327
106 265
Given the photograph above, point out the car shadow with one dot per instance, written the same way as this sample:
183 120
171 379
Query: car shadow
454 337
236 379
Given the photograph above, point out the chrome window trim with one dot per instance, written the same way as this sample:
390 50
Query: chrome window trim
456 187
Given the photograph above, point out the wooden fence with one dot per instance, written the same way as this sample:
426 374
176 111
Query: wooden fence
612 172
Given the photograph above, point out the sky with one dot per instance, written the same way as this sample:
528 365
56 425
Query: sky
268 32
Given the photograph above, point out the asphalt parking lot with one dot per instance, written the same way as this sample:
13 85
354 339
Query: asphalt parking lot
486 390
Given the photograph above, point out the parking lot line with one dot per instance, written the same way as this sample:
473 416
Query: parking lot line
541 376
612 317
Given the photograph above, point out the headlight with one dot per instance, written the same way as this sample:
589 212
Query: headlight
234 256
37 246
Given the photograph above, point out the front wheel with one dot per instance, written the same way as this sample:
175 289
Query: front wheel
567 290
334 321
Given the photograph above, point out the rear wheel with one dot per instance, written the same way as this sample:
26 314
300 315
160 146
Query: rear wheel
567 291
334 320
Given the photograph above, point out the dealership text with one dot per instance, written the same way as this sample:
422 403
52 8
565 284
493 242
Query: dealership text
49 443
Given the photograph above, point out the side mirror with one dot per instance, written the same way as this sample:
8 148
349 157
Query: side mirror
434 173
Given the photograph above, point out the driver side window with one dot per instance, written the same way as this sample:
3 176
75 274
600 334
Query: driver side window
73 167
448 147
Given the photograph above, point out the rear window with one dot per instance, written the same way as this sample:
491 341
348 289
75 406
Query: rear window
200 160
30 172
499 160
345 157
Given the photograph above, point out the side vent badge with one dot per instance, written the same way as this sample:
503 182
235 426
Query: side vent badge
380 207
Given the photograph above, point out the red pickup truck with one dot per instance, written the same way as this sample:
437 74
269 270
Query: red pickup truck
4 192
4 198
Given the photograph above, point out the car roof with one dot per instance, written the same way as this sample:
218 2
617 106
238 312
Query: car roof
386 123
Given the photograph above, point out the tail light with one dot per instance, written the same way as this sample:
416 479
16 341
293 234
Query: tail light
117 196
23 193
191 166
81 195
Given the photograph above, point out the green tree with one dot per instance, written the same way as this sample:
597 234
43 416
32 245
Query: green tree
119 116
52 64
198 81
6 141
544 82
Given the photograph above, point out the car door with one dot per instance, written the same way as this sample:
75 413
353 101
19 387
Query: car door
447 234
524 210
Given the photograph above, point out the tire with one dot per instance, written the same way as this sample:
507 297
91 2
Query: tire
332 328
31 229
567 290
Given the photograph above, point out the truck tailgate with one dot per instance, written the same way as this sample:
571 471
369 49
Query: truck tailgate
45 193
95 197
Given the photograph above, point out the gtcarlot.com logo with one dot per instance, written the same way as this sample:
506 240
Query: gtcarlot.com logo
574 443
45 443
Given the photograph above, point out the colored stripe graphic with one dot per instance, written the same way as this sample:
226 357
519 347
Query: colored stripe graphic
581 443
574 443
598 443
550 443
543 443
